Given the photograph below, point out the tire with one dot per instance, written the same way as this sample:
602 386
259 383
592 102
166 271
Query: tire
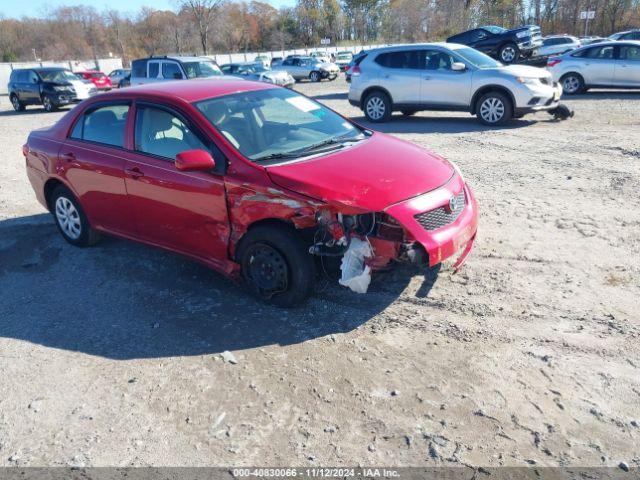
17 105
377 107
494 108
70 219
509 53
315 76
48 104
408 113
572 84
276 266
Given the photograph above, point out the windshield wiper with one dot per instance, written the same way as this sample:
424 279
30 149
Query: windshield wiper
331 141
275 156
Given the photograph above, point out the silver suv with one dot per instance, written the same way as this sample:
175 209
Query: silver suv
165 68
446 76
302 68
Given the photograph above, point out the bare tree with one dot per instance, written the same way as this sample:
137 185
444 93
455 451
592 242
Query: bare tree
202 12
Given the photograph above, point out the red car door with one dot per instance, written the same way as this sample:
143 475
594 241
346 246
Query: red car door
92 160
183 211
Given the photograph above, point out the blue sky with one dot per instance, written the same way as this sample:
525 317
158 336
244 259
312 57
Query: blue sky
36 8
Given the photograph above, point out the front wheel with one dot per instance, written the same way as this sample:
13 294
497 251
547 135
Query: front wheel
276 265
572 83
48 104
377 107
71 220
315 76
494 108
509 53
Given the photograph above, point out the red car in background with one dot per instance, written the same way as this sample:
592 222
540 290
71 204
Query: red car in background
99 79
256 181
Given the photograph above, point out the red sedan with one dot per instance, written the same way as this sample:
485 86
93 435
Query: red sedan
99 79
256 181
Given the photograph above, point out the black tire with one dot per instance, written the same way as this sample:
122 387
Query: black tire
408 113
17 105
48 103
315 76
509 53
276 265
499 104
377 107
60 199
572 83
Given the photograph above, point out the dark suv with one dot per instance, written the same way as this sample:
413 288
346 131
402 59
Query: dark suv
49 87
630 35
508 46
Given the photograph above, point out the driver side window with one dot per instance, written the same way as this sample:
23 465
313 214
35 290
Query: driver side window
159 132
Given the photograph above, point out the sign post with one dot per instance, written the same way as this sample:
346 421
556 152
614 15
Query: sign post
587 15
325 41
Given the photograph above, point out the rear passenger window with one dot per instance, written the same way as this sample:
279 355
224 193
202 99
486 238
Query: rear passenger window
104 125
402 59
154 69
171 71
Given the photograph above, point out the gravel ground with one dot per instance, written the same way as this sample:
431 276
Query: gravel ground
529 355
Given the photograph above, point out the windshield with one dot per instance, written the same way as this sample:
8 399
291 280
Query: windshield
201 69
274 124
477 58
96 75
254 68
57 76
495 30
615 36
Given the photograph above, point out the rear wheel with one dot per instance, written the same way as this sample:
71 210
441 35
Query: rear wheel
18 106
572 83
276 265
377 107
71 220
315 76
509 53
494 108
48 104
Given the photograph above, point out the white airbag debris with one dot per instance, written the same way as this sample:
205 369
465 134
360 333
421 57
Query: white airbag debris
355 274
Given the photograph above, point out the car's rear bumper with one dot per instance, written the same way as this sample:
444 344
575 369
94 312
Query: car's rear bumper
452 238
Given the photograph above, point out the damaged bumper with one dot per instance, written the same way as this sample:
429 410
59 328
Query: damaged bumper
444 222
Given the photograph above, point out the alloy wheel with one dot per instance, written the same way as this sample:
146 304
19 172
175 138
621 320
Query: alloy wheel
46 103
375 108
571 84
315 77
492 110
68 218
508 54
15 103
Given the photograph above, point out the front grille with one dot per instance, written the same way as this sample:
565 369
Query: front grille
439 217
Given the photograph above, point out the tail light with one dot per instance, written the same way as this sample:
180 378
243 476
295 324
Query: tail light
552 62
355 70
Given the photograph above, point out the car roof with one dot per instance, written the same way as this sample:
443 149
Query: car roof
197 89
417 46
44 69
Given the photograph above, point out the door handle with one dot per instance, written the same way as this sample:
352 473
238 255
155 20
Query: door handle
68 157
427 77
134 172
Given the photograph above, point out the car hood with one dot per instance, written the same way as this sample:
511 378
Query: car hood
370 175
524 71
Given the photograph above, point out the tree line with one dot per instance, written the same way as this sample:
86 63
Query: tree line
212 26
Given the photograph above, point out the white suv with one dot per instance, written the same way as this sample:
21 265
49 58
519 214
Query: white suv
164 68
446 76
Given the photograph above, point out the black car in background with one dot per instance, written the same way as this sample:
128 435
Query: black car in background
629 35
49 87
507 46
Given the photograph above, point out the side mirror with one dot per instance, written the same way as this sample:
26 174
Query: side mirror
194 160
458 67
177 75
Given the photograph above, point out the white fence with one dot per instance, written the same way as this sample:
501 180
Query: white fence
104 64
108 64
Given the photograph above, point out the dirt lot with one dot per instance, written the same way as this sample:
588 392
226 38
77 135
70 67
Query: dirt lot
530 355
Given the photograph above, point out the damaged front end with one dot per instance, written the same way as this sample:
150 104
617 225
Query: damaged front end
424 230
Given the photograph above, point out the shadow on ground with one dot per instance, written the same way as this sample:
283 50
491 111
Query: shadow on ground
122 300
